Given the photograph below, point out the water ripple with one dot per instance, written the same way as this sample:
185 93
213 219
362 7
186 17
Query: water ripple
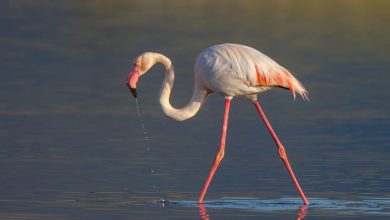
364 206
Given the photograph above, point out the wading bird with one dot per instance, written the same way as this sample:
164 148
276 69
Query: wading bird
229 70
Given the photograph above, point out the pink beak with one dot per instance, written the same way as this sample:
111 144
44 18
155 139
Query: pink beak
132 81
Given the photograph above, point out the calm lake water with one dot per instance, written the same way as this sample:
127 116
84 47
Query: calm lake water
72 146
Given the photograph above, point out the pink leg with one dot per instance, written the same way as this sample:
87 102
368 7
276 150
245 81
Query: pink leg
220 153
282 152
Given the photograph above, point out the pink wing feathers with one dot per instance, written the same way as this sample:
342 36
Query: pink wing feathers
257 69
280 77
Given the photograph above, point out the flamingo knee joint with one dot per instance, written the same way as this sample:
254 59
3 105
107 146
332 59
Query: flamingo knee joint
282 153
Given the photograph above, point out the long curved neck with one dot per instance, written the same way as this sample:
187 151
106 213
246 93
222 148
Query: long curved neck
191 108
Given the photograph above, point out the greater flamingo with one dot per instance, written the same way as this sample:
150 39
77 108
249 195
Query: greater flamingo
230 70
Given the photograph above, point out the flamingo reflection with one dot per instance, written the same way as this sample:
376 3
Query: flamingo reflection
204 215
302 212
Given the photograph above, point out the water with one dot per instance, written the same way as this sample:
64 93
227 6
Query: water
141 121
72 145
372 207
147 139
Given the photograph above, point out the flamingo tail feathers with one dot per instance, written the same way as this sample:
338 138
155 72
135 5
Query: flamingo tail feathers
280 77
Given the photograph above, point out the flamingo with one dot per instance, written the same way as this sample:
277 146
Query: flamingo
229 70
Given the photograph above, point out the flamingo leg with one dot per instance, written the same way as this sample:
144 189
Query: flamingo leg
220 154
282 152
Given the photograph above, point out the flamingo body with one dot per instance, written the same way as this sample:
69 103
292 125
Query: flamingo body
238 70
229 70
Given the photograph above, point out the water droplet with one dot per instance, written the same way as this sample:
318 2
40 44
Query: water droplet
145 134
141 120
163 202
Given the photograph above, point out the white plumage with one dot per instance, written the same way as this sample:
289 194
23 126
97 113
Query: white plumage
236 70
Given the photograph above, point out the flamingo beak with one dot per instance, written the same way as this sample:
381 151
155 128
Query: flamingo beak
133 91
132 82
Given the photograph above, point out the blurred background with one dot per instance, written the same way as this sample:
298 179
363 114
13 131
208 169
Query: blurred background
72 146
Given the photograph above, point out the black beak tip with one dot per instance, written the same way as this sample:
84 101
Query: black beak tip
133 92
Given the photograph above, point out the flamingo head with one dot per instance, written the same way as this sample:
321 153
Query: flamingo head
140 66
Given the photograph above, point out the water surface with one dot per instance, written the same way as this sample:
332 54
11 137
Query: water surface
72 146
